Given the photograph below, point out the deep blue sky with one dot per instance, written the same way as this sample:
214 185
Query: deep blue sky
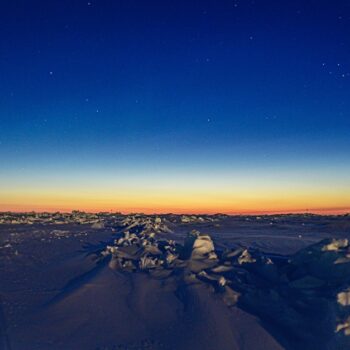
174 85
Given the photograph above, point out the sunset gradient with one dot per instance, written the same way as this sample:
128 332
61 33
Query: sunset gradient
186 106
179 193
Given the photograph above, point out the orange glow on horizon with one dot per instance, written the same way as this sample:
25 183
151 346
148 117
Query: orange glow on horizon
181 199
176 210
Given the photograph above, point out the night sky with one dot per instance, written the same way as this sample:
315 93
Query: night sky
175 106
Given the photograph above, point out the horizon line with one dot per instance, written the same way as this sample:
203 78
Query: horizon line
313 211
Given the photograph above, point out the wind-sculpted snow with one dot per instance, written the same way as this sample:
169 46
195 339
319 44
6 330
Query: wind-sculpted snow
167 282
306 294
